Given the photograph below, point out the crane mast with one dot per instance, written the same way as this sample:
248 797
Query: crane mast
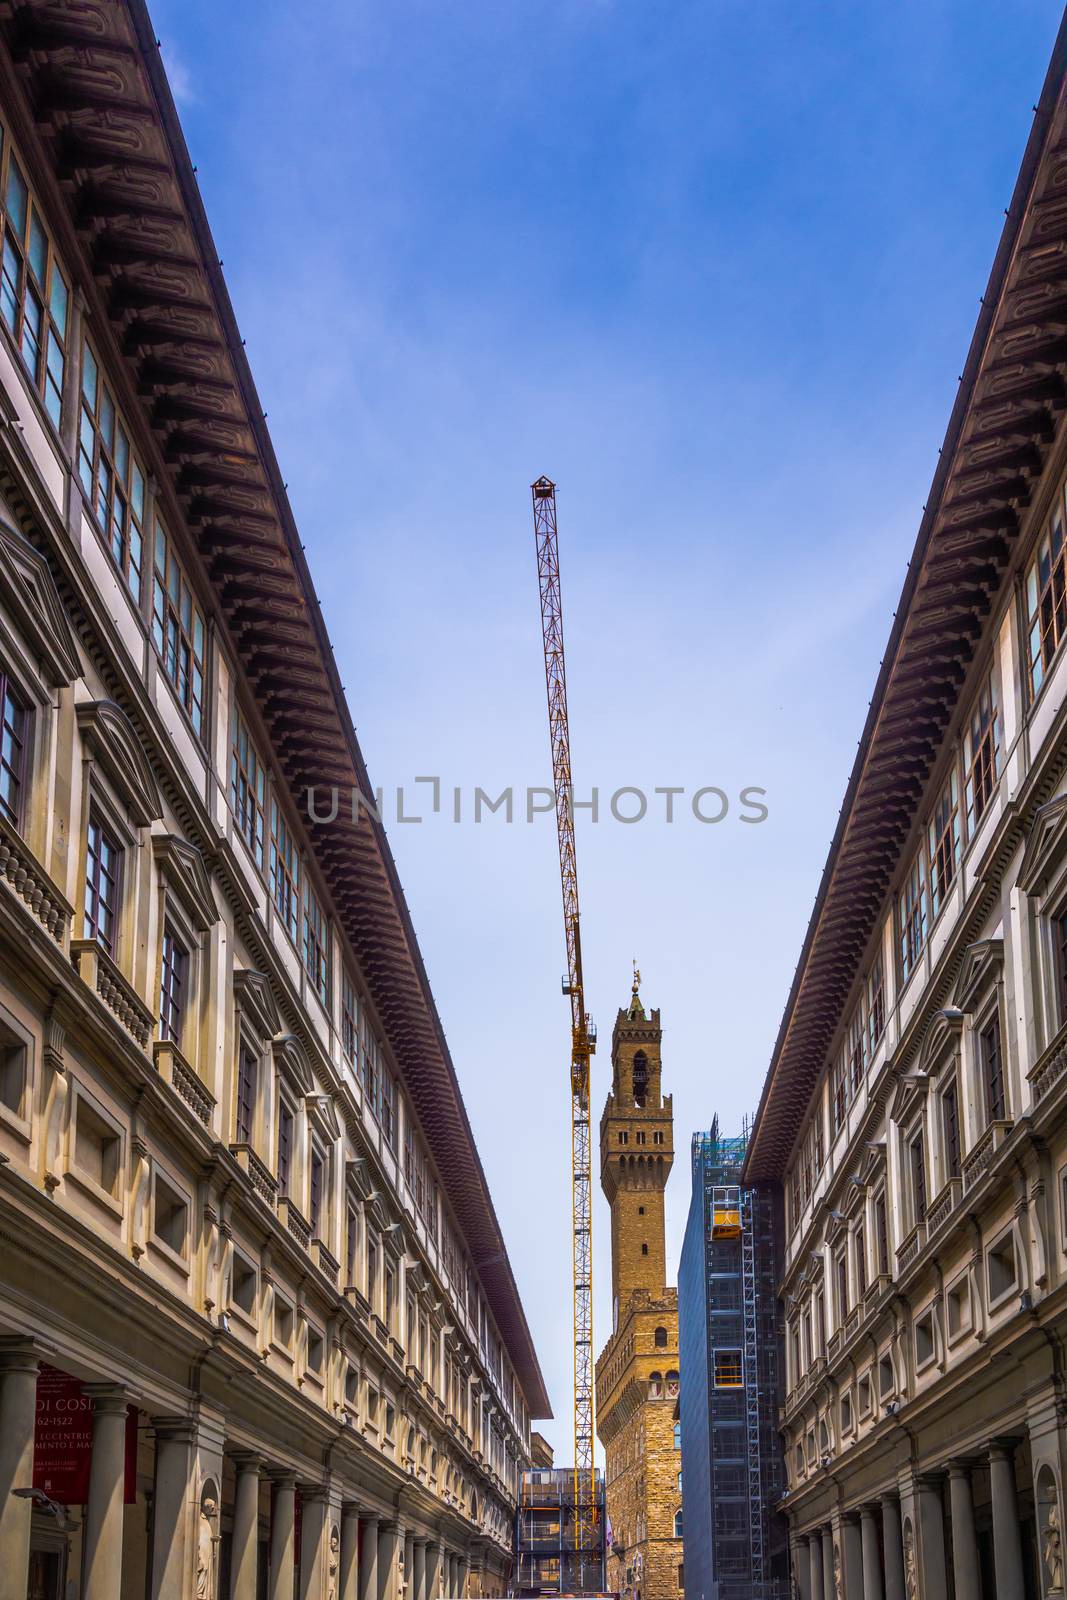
583 1034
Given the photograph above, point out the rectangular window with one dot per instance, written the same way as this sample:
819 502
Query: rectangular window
285 1146
839 1093
248 788
372 1274
178 630
284 872
388 1108
247 1075
875 1005
103 882
113 482
316 946
944 843
911 912
351 1247
992 1070
14 732
317 1171
1046 608
1059 934
349 1021
857 1049
881 1233
34 297
175 966
950 1118
861 1263
917 1156
841 1270
981 754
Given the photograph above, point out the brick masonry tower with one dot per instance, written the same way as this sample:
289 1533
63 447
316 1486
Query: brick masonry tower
637 1380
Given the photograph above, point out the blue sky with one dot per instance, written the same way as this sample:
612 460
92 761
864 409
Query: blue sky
713 267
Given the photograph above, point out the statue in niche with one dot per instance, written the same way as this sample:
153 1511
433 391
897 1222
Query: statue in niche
1052 1551
207 1544
334 1562
911 1577
839 1590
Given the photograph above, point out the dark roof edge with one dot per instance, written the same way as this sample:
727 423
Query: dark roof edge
1043 113
533 1380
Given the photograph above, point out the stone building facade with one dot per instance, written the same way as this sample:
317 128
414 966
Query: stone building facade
915 1111
258 1330
637 1378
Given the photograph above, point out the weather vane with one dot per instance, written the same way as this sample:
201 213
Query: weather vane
637 977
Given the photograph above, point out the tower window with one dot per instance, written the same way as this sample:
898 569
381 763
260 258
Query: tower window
640 1211
624 1138
661 1338
644 1249
640 1138
640 1078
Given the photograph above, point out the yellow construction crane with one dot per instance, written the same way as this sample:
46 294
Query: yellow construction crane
583 1033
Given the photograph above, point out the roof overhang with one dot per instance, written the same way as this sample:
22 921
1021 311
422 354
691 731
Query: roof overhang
94 85
1008 411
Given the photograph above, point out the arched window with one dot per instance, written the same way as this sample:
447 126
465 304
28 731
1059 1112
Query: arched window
661 1338
640 1078
672 1386
677 1435
678 1523
655 1385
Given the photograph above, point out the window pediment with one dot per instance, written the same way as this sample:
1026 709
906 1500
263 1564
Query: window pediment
873 1161
291 1059
983 963
323 1112
908 1092
941 1041
253 994
113 742
184 867
1045 845
28 587
359 1177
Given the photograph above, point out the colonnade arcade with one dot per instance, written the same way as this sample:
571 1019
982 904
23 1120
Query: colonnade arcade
982 1524
173 1509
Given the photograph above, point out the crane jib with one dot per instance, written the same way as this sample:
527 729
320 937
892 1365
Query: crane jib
583 1037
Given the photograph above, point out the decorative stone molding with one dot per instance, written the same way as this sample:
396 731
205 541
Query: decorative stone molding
983 963
117 746
28 588
186 1082
183 865
252 993
1044 847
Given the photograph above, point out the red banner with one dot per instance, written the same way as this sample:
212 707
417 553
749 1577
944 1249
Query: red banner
63 1440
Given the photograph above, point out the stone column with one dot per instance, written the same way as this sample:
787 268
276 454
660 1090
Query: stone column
18 1409
433 1572
409 1565
872 1559
851 1558
934 1580
1007 1541
368 1564
965 1570
173 1513
419 1573
463 1573
829 1588
283 1539
312 1542
102 1538
814 1544
893 1545
388 1545
348 1584
244 1561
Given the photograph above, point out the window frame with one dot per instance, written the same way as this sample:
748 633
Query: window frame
194 708
11 689
248 789
316 941
973 757
173 1006
90 926
41 376
103 480
1035 591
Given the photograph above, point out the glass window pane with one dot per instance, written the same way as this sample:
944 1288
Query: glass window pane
38 250
58 301
16 198
90 376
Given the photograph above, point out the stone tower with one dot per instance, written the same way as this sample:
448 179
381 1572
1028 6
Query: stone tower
637 1379
636 1153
